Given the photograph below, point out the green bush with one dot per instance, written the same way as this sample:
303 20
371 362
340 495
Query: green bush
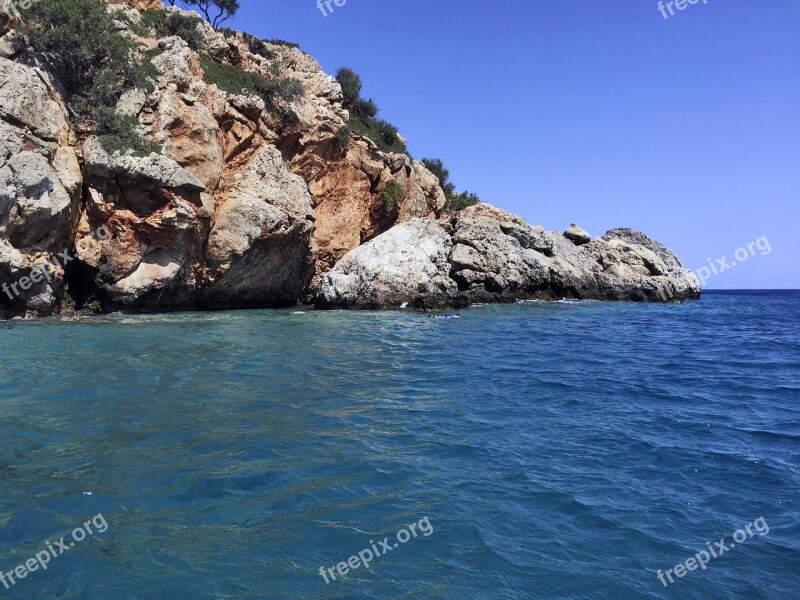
233 81
164 23
455 201
93 61
382 133
364 109
121 136
363 114
283 43
258 47
460 201
343 137
436 166
351 85
392 195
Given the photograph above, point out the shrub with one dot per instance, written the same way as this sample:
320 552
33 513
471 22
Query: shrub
233 81
343 137
364 109
363 113
258 47
254 44
94 62
286 89
460 201
382 133
436 166
392 195
225 9
283 43
455 201
351 86
121 136
164 23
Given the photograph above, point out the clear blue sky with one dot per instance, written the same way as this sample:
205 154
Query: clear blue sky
598 112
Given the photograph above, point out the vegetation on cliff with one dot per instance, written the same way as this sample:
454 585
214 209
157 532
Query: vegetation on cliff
164 23
363 115
233 81
455 200
93 61
96 65
392 195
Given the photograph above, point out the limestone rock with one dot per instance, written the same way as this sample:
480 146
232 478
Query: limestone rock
40 186
407 264
577 235
189 132
260 249
153 257
28 100
494 256
148 173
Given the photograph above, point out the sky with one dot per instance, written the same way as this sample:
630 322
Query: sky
601 113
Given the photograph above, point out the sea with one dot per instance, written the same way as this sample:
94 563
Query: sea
561 450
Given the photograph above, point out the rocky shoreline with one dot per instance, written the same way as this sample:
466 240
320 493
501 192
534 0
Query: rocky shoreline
251 204
486 255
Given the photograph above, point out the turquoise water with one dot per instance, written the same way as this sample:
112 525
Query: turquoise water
558 451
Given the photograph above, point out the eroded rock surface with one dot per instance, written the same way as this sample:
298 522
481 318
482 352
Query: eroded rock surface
494 256
406 265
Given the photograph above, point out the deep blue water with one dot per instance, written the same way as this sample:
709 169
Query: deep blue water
559 451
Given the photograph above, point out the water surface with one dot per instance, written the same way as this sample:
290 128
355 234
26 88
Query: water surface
560 451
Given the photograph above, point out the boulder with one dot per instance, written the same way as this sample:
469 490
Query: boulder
145 173
406 265
29 101
40 188
153 257
577 236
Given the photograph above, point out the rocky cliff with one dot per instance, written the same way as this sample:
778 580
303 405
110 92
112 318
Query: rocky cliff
251 203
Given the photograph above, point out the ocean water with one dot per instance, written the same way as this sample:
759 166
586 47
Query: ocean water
542 451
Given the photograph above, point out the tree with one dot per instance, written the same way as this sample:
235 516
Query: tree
222 10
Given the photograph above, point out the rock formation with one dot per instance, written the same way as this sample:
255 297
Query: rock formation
251 204
484 254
